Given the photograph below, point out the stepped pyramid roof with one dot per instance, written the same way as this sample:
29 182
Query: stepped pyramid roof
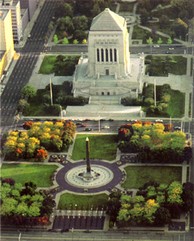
108 21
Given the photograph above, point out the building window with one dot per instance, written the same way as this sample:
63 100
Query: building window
107 71
115 55
111 55
102 93
108 93
102 55
98 55
106 55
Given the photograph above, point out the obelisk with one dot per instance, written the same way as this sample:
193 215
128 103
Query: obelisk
88 167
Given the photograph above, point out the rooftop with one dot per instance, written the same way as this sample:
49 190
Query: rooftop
108 21
7 3
3 13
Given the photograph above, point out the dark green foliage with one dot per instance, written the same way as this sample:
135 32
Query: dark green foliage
65 66
48 204
53 110
162 216
160 156
114 205
70 100
188 196
62 96
79 35
164 65
127 101
25 206
168 202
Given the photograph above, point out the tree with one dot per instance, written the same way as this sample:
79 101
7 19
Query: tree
188 196
68 10
55 39
23 105
80 22
79 35
65 40
160 41
163 21
41 154
162 216
144 16
28 91
149 41
174 191
75 41
169 40
114 205
96 9
84 41
65 24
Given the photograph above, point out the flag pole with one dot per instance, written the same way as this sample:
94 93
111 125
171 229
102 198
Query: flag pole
51 92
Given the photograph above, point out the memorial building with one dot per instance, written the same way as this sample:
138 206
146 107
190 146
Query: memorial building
108 73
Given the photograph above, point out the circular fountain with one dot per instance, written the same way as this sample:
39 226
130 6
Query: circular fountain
99 176
86 177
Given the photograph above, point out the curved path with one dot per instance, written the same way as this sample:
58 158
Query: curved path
63 185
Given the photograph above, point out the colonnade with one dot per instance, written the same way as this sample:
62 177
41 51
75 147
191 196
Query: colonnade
107 55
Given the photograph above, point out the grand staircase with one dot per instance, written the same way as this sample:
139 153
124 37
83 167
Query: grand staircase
104 100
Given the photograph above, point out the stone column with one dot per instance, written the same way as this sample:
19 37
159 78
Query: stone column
88 167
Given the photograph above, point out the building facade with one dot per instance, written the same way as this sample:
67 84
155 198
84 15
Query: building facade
109 70
14 7
6 40
30 5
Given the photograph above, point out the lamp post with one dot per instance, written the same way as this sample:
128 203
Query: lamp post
19 237
99 124
155 92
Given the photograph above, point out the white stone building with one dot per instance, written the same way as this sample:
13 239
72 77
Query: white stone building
108 73
108 70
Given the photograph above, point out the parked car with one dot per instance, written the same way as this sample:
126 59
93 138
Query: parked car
177 128
159 121
88 129
106 127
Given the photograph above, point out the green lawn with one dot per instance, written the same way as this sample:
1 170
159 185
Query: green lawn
40 174
137 176
101 147
47 65
73 201
176 105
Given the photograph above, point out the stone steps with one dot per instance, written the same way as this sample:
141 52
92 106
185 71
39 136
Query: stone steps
104 100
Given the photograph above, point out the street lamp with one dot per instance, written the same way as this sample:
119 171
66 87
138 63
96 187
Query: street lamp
19 237
155 92
99 124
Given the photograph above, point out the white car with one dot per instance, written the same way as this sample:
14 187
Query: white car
106 127
159 121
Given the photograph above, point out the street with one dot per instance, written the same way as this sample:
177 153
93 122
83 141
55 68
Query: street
96 236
